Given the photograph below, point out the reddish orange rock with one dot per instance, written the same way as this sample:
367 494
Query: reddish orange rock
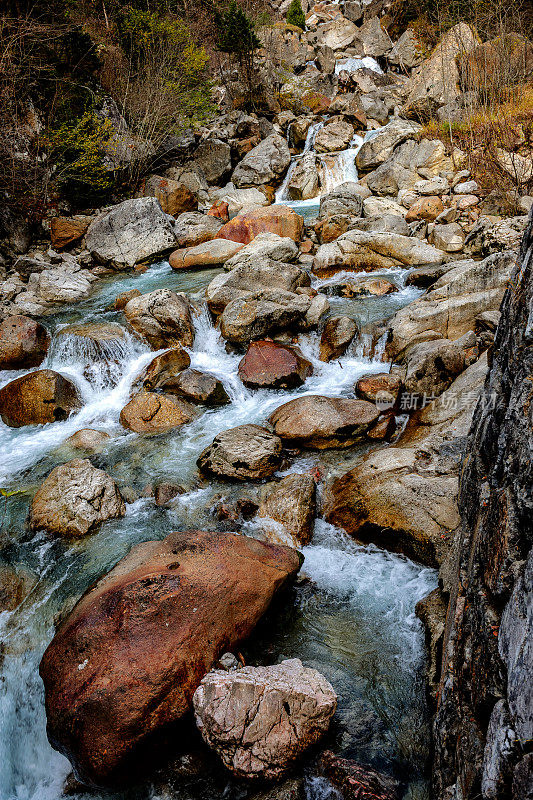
23 343
126 662
273 366
220 211
67 230
427 208
273 219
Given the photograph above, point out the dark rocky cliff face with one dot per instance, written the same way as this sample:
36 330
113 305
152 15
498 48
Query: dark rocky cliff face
484 718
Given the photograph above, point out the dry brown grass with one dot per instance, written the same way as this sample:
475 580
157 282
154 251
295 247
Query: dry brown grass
490 127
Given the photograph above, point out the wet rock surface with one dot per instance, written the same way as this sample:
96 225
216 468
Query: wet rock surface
274 366
337 335
485 688
161 317
292 503
323 422
248 452
195 593
38 398
23 343
148 412
74 499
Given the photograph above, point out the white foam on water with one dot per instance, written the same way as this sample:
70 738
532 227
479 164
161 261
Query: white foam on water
372 581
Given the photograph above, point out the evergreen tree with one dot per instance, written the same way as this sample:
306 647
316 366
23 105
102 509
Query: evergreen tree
236 31
236 36
295 15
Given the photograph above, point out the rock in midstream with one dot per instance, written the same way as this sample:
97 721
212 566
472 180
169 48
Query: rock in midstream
109 691
74 499
38 398
260 719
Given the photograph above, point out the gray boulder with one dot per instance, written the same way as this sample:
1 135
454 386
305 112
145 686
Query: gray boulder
161 317
261 719
193 228
345 199
255 316
378 149
265 245
250 277
214 159
304 180
74 499
431 367
248 452
132 231
265 163
374 250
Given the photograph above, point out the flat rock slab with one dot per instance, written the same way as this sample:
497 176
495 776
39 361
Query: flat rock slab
324 422
260 719
209 254
361 250
126 662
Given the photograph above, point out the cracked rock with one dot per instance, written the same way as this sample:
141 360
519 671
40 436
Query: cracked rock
162 317
261 719
130 232
74 499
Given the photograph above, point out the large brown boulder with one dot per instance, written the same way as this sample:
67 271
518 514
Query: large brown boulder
273 366
35 399
162 317
23 343
272 219
124 665
75 498
174 197
148 412
248 452
322 422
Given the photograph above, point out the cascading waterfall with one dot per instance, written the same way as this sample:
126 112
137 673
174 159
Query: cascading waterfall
354 621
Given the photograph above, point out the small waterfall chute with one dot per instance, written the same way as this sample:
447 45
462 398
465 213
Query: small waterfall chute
97 352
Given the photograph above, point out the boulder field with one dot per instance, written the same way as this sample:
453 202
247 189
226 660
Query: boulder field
356 353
